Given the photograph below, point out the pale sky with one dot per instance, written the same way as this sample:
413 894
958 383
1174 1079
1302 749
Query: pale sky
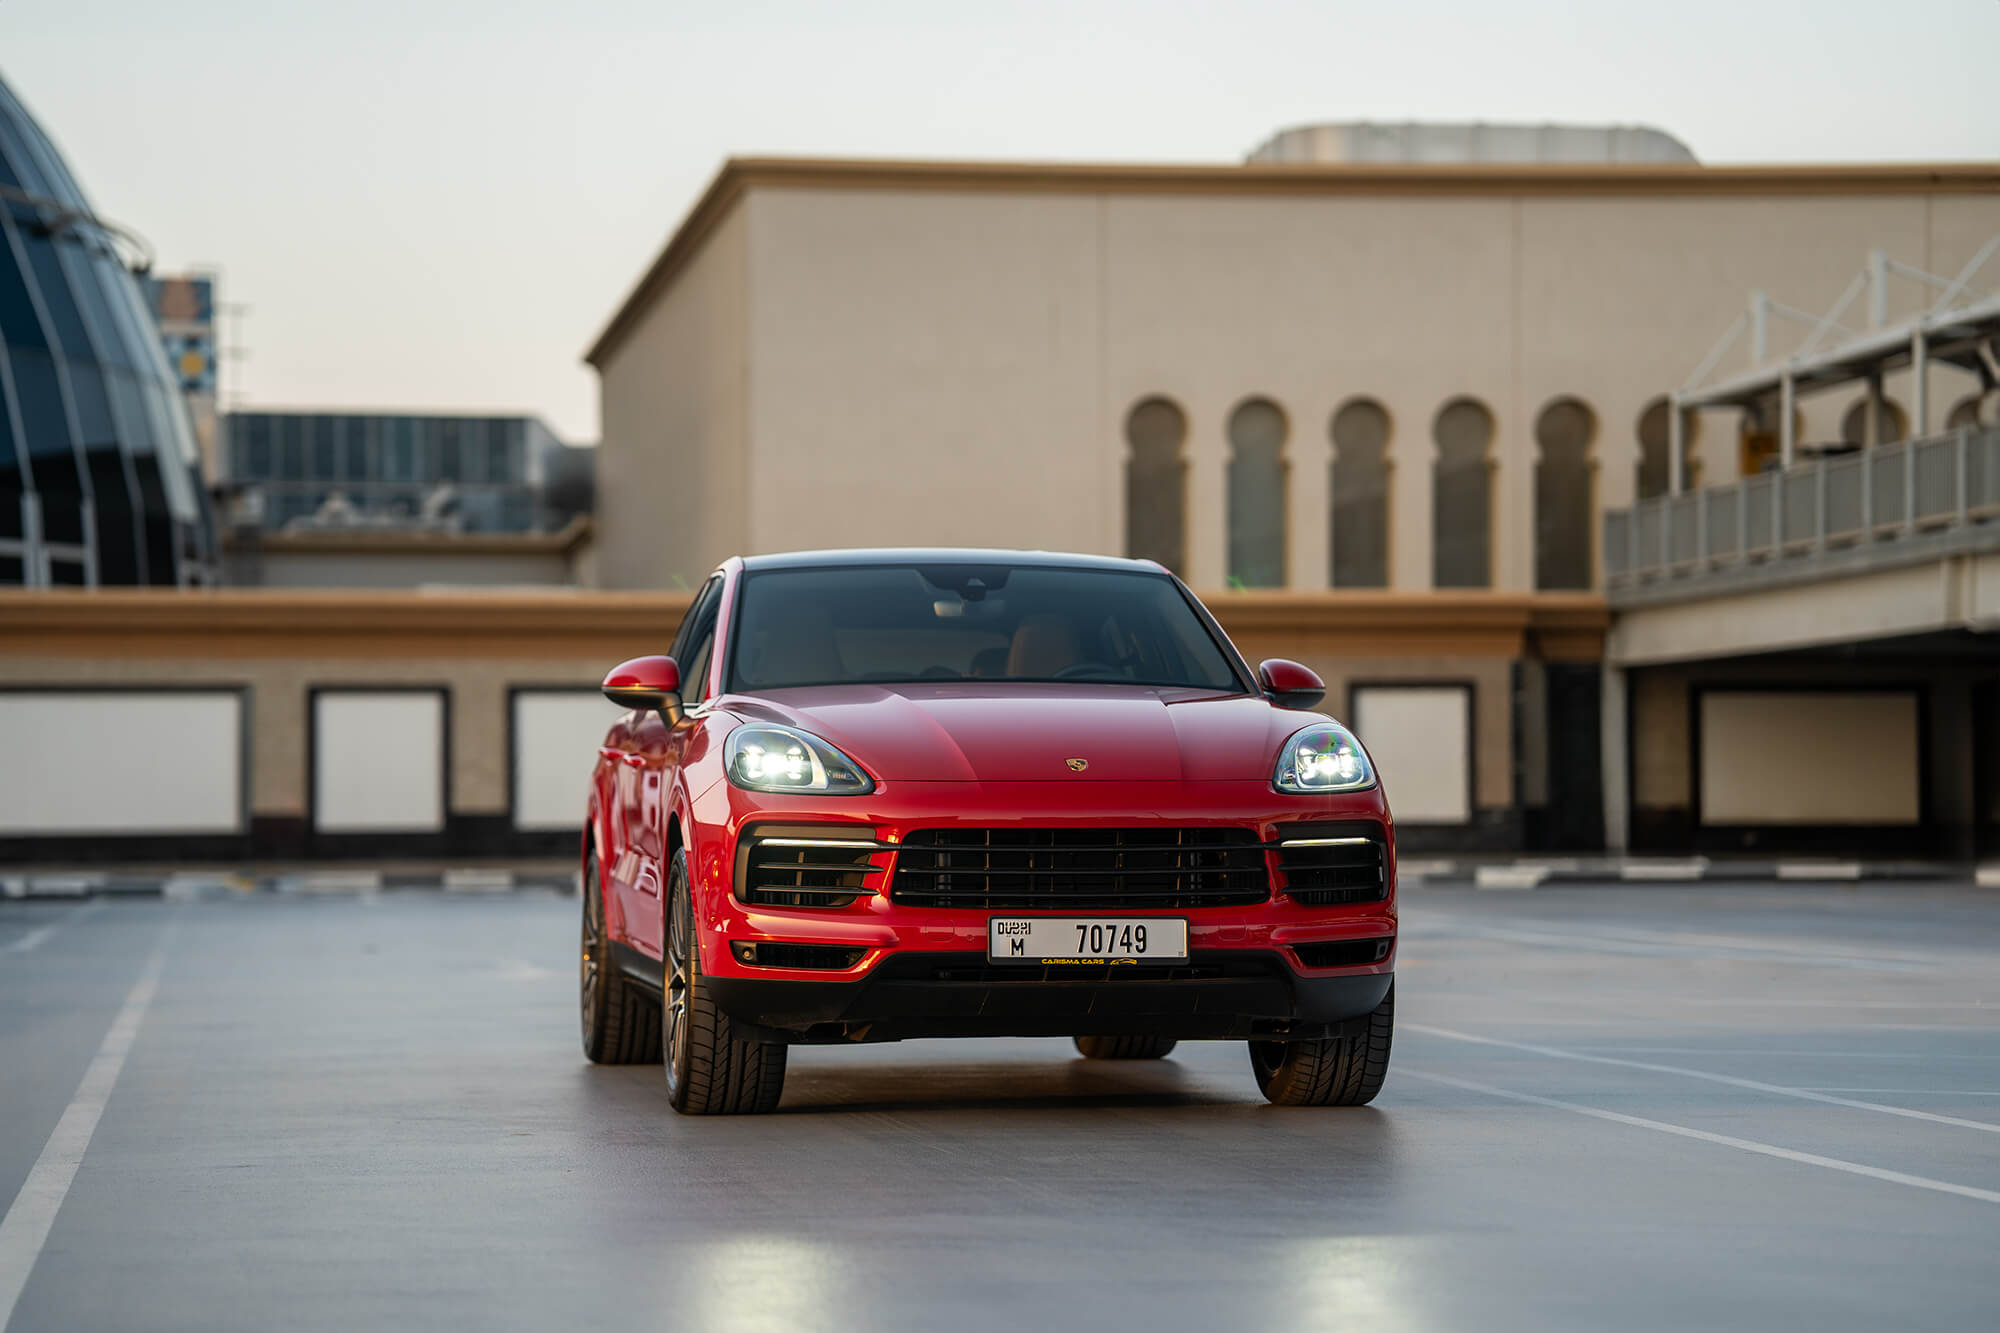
436 204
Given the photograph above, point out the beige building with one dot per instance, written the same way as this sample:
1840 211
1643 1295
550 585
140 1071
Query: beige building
835 353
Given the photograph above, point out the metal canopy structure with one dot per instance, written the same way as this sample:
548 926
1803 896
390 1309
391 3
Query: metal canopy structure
1958 328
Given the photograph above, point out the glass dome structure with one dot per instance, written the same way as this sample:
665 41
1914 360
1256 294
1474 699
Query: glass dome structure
99 479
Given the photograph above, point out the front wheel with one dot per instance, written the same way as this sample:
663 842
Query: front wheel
1343 1070
709 1070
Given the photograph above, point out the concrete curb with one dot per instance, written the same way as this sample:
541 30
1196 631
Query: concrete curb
1533 873
186 886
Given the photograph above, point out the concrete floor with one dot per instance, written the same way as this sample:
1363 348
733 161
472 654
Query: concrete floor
371 1112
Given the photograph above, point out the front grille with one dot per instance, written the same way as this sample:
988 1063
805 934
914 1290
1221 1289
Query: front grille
781 869
1081 868
1324 865
1344 953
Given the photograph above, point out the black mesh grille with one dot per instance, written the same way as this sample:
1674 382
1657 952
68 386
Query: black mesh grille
1081 868
776 874
1333 864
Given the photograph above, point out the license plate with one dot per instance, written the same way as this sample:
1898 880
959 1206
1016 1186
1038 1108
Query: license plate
1098 939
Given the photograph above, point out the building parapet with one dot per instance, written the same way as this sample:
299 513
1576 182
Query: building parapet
1887 505
457 623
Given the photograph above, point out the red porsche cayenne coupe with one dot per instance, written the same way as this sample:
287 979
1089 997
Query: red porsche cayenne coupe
871 795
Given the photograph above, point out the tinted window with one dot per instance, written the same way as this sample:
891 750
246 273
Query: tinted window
694 676
891 623
702 605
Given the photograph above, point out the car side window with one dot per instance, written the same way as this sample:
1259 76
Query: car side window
702 605
697 643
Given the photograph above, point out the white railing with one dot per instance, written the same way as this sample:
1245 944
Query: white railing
1885 492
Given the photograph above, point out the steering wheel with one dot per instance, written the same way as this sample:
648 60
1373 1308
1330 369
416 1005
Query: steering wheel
1077 670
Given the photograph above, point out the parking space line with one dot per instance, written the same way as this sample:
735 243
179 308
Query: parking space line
33 939
25 1229
1751 1084
1725 1140
1909 1091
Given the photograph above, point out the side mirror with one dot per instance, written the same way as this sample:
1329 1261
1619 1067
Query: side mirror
1290 685
652 683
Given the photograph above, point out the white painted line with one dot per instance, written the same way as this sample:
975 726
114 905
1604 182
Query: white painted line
1918 1092
1750 1084
1509 877
1987 877
1727 1141
33 939
1930 1057
1652 943
338 881
25 1229
1662 870
63 886
1813 871
478 881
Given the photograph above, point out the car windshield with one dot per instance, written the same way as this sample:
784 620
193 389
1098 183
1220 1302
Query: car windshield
941 622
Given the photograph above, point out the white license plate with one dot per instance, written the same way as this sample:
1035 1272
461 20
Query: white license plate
1093 939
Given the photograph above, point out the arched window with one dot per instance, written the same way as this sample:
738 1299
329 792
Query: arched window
1462 496
1890 423
1655 449
1360 431
1964 413
1563 494
1257 495
1156 483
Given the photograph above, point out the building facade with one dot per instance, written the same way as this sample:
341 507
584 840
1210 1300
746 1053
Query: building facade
184 309
99 469
360 469
1360 384
1300 376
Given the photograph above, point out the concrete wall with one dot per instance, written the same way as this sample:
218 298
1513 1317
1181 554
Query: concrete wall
926 372
428 705
673 495
366 569
952 358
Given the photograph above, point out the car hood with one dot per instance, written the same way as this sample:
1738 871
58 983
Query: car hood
1000 732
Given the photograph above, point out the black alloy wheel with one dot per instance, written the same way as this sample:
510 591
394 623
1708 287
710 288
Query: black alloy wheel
680 942
621 1023
710 1071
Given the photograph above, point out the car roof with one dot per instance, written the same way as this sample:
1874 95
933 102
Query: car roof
943 555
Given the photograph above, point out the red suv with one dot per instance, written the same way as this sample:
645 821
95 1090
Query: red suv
872 795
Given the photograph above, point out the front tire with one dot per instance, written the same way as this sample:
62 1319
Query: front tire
1344 1070
1125 1048
621 1023
709 1070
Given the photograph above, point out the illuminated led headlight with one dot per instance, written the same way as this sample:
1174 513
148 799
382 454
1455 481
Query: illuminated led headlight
767 758
1323 757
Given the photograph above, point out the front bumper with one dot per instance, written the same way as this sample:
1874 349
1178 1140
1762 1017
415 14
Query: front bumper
922 971
1227 994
